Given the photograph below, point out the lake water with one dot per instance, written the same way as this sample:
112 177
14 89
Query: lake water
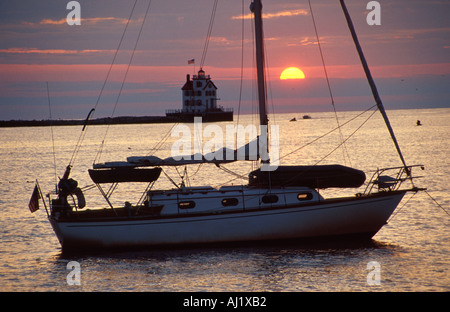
412 250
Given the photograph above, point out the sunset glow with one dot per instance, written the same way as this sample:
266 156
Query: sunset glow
39 47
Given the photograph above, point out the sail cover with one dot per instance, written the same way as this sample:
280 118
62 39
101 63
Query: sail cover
321 177
250 151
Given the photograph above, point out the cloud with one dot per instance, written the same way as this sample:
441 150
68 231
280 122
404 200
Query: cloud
286 13
63 21
305 41
47 51
94 20
412 34
47 21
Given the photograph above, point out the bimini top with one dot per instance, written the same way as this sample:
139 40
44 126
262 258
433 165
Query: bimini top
124 174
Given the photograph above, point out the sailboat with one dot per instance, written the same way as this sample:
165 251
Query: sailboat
276 204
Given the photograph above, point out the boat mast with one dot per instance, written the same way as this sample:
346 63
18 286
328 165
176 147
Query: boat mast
256 8
372 83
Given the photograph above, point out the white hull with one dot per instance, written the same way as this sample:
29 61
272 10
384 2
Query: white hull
351 216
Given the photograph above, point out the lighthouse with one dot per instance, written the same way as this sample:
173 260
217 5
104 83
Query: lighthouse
199 99
199 94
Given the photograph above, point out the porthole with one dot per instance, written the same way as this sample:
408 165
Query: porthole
186 204
269 199
304 196
229 201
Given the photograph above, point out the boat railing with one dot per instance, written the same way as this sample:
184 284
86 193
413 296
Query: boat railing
219 109
173 111
390 179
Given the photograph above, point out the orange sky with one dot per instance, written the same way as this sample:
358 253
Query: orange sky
171 74
407 53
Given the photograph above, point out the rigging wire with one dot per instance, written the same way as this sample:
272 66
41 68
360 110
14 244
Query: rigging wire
237 175
268 88
333 150
327 133
169 178
83 132
344 151
229 181
254 104
202 62
196 171
434 200
208 35
242 68
162 141
53 138
123 80
398 210
437 203
372 85
343 142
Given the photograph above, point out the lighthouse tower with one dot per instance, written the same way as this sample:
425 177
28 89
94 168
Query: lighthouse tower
199 94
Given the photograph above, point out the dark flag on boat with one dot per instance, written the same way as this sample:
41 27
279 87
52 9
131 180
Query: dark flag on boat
34 200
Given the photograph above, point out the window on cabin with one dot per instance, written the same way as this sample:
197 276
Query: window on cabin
186 204
304 196
269 199
229 201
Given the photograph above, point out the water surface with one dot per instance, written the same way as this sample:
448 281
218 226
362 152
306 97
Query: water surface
412 249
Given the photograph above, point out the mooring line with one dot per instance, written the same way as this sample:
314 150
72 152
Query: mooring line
398 210
437 203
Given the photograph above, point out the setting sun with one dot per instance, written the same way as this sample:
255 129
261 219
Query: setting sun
292 73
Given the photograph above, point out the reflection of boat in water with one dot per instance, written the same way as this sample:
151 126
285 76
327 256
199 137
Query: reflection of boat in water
278 203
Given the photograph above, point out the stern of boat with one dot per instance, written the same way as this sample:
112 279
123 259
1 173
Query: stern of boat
56 228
